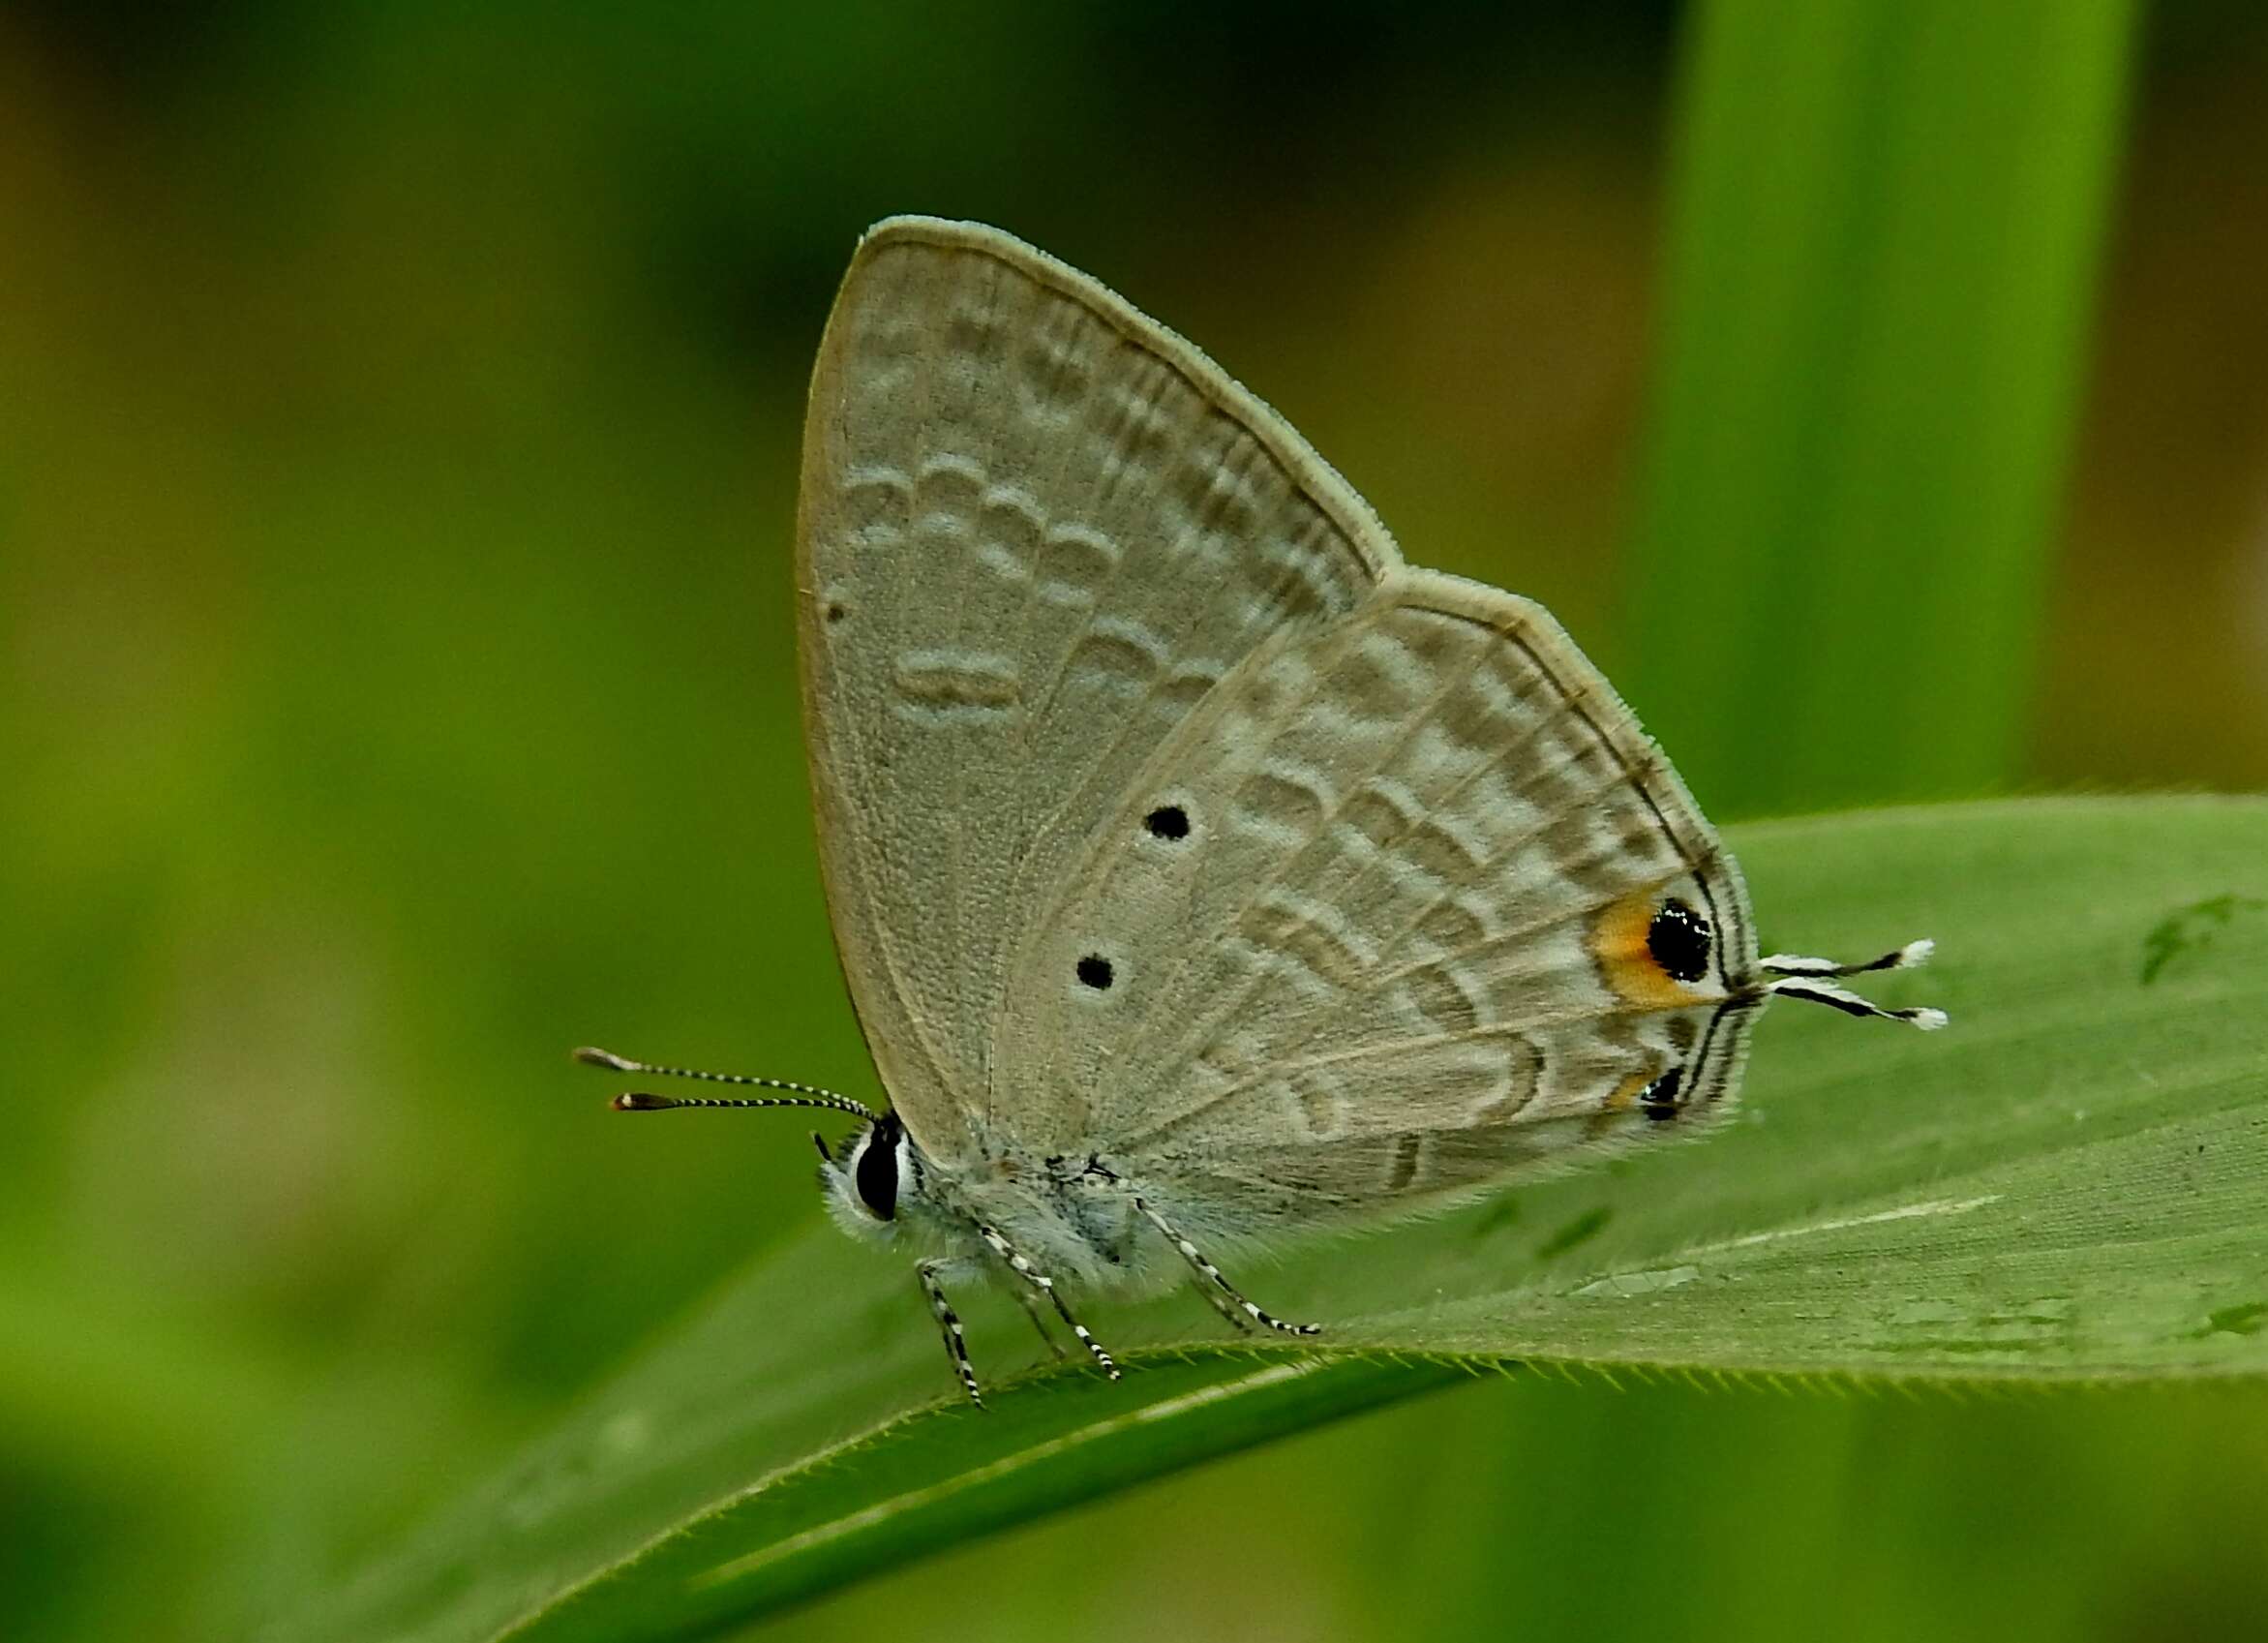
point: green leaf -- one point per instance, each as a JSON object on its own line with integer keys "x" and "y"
{"x": 2068, "y": 1183}
{"x": 1886, "y": 221}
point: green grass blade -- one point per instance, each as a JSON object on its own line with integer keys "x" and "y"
{"x": 1882, "y": 253}
{"x": 2067, "y": 1184}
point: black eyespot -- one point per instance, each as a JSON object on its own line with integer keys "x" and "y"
{"x": 1093, "y": 971}
{"x": 1168, "y": 821}
{"x": 1679, "y": 939}
{"x": 1659, "y": 1099}
{"x": 877, "y": 1176}
{"x": 837, "y": 612}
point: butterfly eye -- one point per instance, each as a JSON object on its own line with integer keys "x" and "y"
{"x": 876, "y": 1170}
{"x": 1168, "y": 821}
{"x": 1679, "y": 941}
{"x": 1095, "y": 971}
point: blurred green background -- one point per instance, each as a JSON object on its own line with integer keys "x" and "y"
{"x": 398, "y": 424}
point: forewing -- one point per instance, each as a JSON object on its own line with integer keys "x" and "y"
{"x": 1402, "y": 948}
{"x": 1035, "y": 529}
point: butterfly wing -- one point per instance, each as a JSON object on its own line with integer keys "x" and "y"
{"x": 1034, "y": 530}
{"x": 1402, "y": 948}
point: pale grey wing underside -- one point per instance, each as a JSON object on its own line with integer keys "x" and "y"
{"x": 1400, "y": 950}
{"x": 1036, "y": 529}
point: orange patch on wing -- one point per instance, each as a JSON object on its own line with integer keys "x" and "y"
{"x": 1616, "y": 1103}
{"x": 1618, "y": 941}
{"x": 1627, "y": 1090}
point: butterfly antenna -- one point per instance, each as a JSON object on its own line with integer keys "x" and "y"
{"x": 1813, "y": 979}
{"x": 639, "y": 1101}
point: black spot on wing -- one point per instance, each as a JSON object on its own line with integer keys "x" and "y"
{"x": 1659, "y": 1099}
{"x": 1679, "y": 941}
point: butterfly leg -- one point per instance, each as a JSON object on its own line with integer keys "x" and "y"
{"x": 1045, "y": 1285}
{"x": 948, "y": 1324}
{"x": 1220, "y": 1303}
{"x": 1023, "y": 1298}
{"x": 1206, "y": 1269}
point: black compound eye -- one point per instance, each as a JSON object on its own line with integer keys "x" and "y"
{"x": 1168, "y": 821}
{"x": 1678, "y": 939}
{"x": 877, "y": 1176}
{"x": 1094, "y": 970}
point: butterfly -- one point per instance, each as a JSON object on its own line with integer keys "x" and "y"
{"x": 1203, "y": 873}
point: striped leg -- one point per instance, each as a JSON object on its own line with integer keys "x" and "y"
{"x": 1219, "y": 1302}
{"x": 1045, "y": 1285}
{"x": 950, "y": 1325}
{"x": 1206, "y": 1269}
{"x": 1023, "y": 1298}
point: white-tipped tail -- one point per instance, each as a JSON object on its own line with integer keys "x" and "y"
{"x": 1799, "y": 964}
{"x": 1813, "y": 988}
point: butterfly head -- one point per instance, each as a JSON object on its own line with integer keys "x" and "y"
{"x": 868, "y": 1180}
{"x": 870, "y": 1176}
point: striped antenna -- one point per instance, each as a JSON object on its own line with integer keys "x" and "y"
{"x": 638, "y": 1101}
